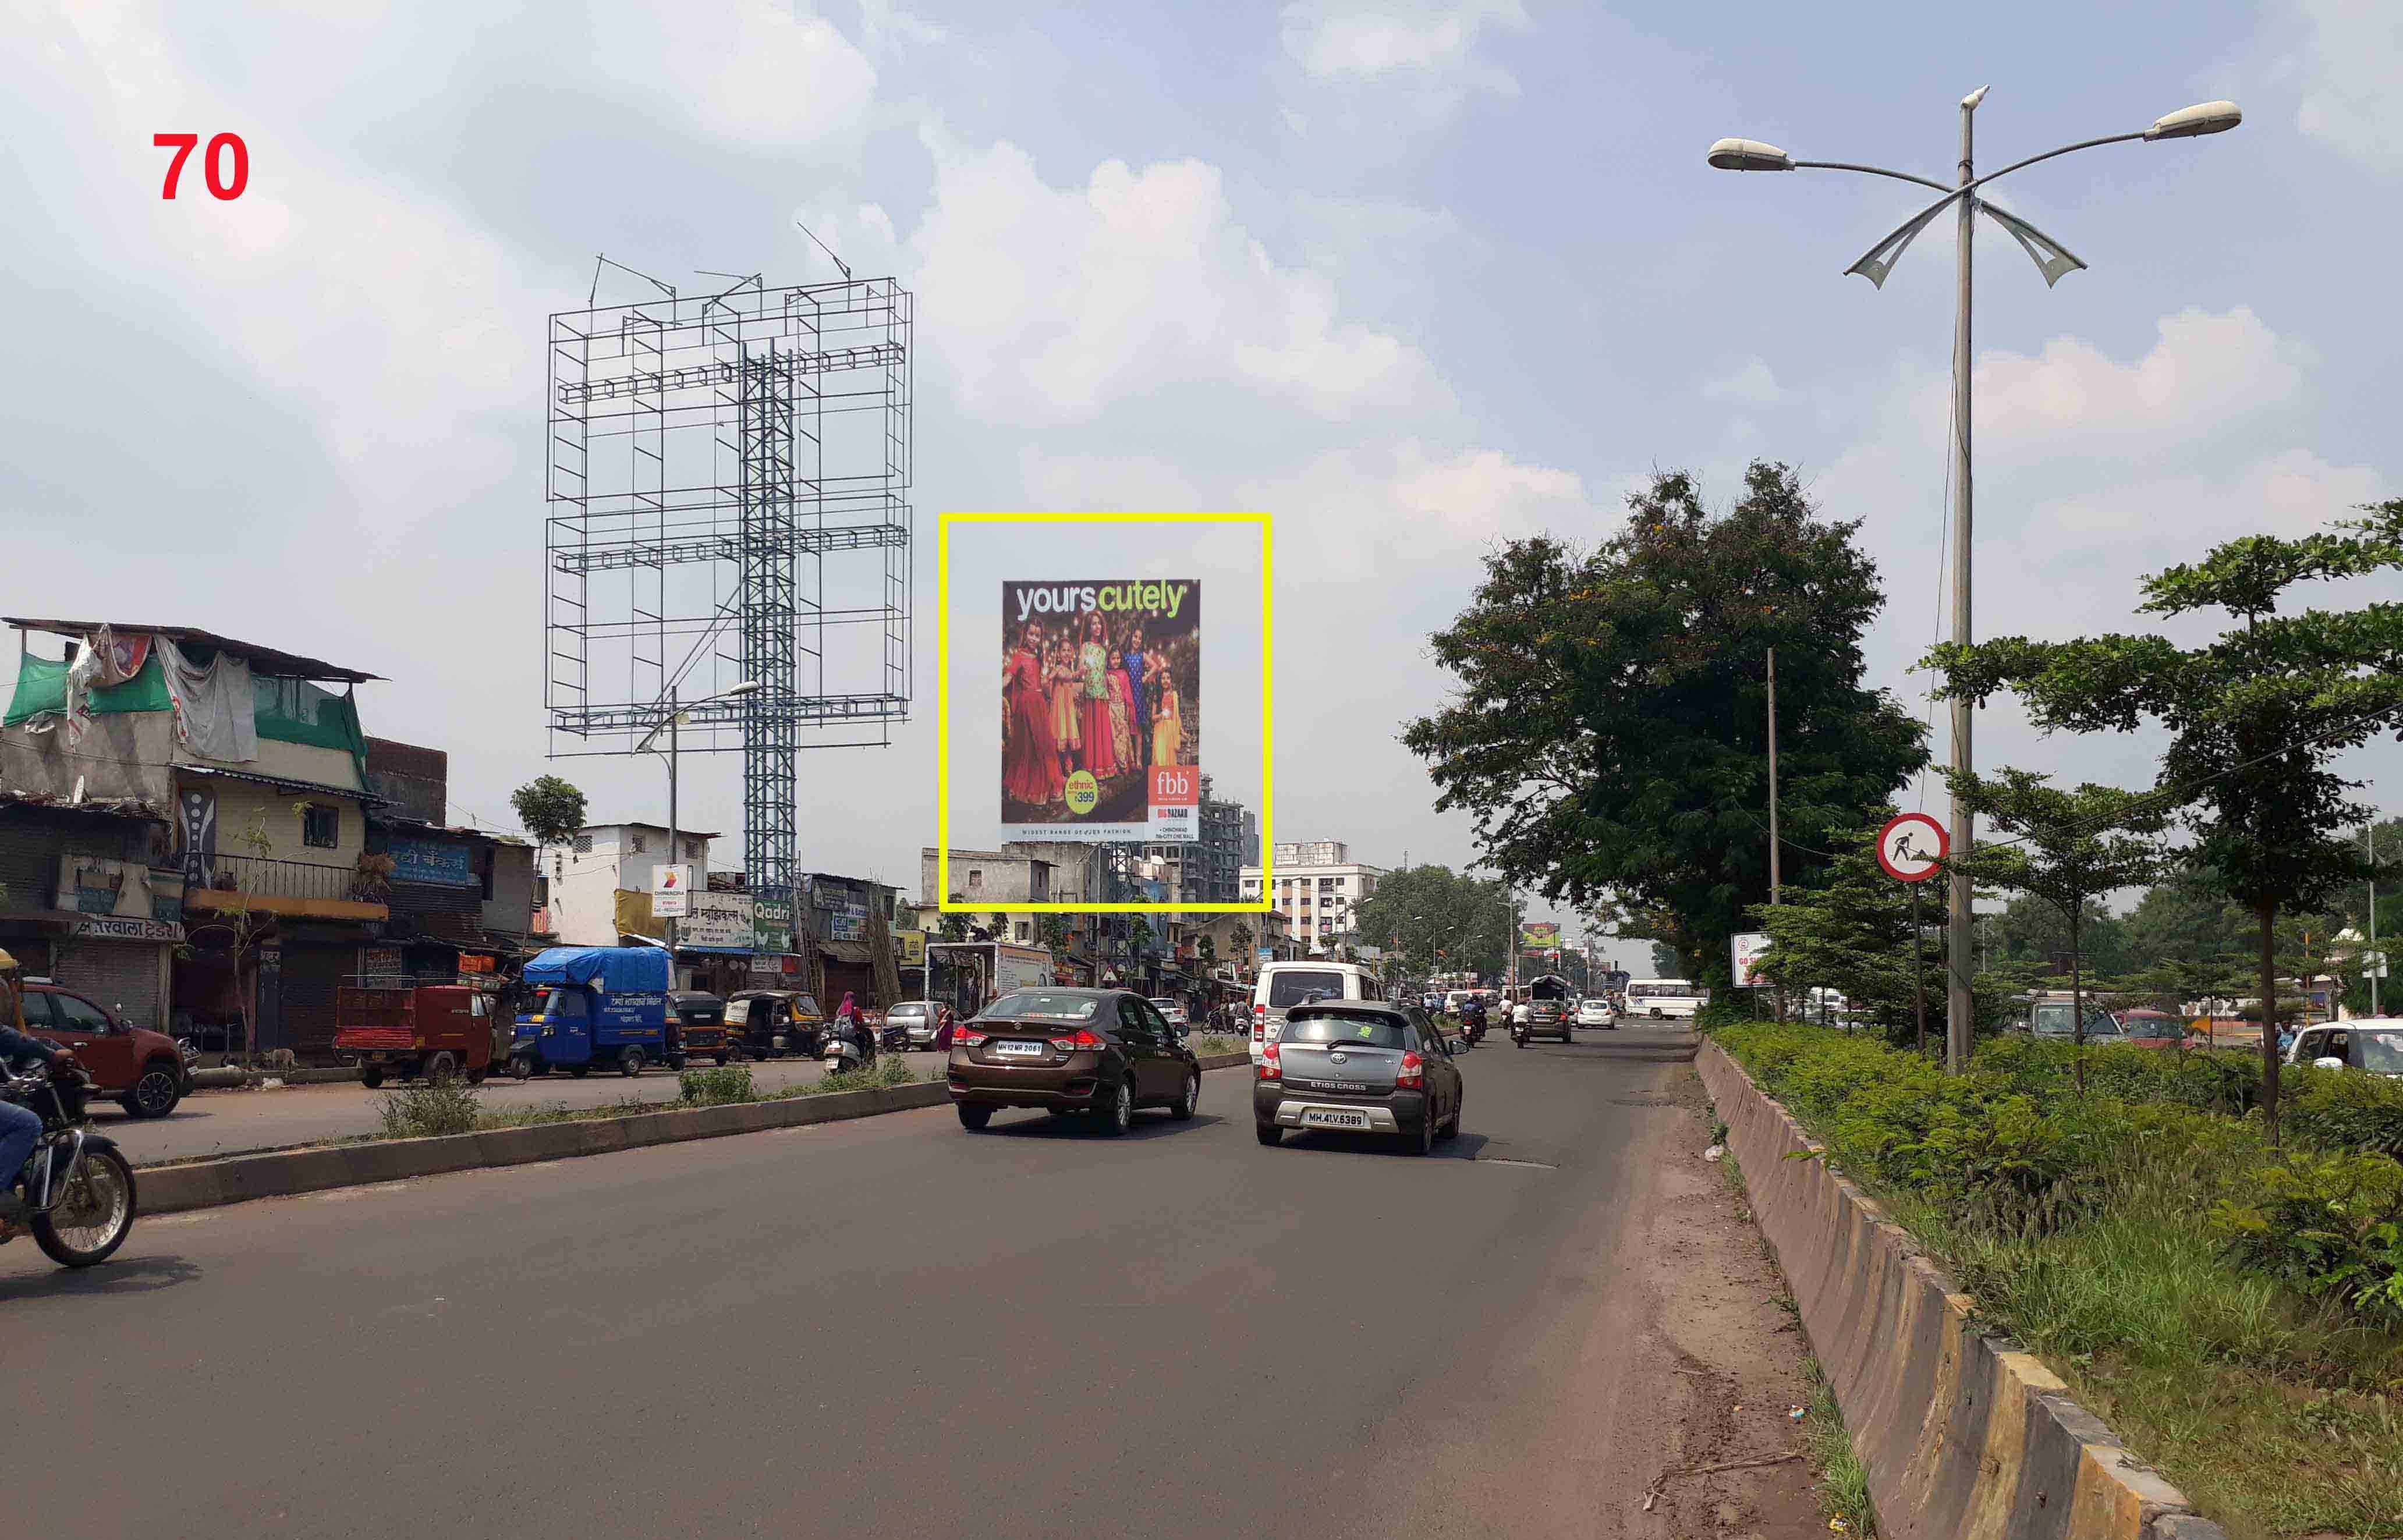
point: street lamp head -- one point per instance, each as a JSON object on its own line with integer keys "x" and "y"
{"x": 1748, "y": 155}
{"x": 1969, "y": 103}
{"x": 748, "y": 687}
{"x": 2195, "y": 122}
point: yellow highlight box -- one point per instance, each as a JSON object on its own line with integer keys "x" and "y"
{"x": 943, "y": 522}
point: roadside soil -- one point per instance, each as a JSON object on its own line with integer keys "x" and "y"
{"x": 1678, "y": 1358}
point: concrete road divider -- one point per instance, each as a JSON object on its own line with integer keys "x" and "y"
{"x": 282, "y": 1174}
{"x": 1960, "y": 1436}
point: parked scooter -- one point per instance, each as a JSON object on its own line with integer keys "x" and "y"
{"x": 841, "y": 1052}
{"x": 78, "y": 1192}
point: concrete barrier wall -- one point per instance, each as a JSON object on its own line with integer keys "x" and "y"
{"x": 1963, "y": 1438}
{"x": 281, "y": 1173}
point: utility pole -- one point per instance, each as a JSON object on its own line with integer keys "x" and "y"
{"x": 2369, "y": 848}
{"x": 1775, "y": 887}
{"x": 1772, "y": 776}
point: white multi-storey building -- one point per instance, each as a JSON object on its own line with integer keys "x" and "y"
{"x": 1317, "y": 886}
{"x": 585, "y": 875}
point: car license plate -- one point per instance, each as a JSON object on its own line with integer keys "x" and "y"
{"x": 1019, "y": 1051}
{"x": 1333, "y": 1118}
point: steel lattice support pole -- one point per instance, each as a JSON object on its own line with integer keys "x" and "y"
{"x": 768, "y": 618}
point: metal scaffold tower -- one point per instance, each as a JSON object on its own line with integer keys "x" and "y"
{"x": 728, "y": 478}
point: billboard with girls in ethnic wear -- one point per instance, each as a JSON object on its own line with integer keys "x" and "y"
{"x": 1100, "y": 696}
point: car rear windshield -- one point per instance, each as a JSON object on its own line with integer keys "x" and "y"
{"x": 1373, "y": 1031}
{"x": 907, "y": 1011}
{"x": 2052, "y": 1015}
{"x": 1042, "y": 1006}
{"x": 2379, "y": 1052}
{"x": 1288, "y": 989}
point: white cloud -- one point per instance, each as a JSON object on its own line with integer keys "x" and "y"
{"x": 1423, "y": 51}
{"x": 1137, "y": 291}
{"x": 1749, "y": 382}
{"x": 2343, "y": 72}
{"x": 758, "y": 69}
{"x": 2204, "y": 374}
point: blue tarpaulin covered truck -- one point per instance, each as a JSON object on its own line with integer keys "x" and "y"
{"x": 595, "y": 1006}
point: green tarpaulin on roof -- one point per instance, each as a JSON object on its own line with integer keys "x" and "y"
{"x": 42, "y": 691}
{"x": 290, "y": 711}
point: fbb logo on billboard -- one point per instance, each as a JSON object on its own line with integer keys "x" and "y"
{"x": 1175, "y": 803}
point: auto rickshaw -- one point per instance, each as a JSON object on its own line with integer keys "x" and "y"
{"x": 774, "y": 1023}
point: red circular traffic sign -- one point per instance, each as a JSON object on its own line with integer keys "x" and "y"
{"x": 1911, "y": 847}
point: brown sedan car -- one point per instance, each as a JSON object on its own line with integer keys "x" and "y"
{"x": 1070, "y": 1051}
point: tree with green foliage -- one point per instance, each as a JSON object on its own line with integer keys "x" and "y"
{"x": 2187, "y": 917}
{"x": 2065, "y": 847}
{"x": 1431, "y": 909}
{"x": 550, "y": 809}
{"x": 1852, "y": 932}
{"x": 2027, "y": 930}
{"x": 2255, "y": 716}
{"x": 1609, "y": 734}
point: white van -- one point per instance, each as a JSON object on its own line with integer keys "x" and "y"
{"x": 1665, "y": 997}
{"x": 1282, "y": 986}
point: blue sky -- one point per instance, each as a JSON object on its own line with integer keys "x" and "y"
{"x": 1415, "y": 277}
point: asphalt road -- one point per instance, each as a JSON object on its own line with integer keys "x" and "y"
{"x": 892, "y": 1326}
{"x": 230, "y": 1122}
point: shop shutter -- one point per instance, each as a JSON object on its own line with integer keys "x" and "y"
{"x": 311, "y": 975}
{"x": 123, "y": 976}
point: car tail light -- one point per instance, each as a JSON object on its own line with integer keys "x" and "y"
{"x": 1085, "y": 1041}
{"x": 1271, "y": 1064}
{"x": 1412, "y": 1073}
{"x": 964, "y": 1038}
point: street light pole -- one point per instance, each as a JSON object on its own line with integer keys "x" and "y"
{"x": 669, "y": 723}
{"x": 1959, "y": 974}
{"x": 2053, "y": 260}
{"x": 669, "y": 930}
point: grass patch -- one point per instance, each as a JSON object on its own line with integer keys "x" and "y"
{"x": 2116, "y": 1236}
{"x": 1215, "y": 1044}
{"x": 419, "y": 1111}
{"x": 437, "y": 1107}
{"x": 715, "y": 1088}
{"x": 1843, "y": 1485}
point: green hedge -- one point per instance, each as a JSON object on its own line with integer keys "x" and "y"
{"x": 2013, "y": 1142}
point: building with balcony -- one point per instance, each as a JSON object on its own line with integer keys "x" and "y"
{"x": 236, "y": 774}
{"x": 1318, "y": 885}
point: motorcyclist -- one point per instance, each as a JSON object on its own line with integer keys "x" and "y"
{"x": 851, "y": 1025}
{"x": 21, "y": 1127}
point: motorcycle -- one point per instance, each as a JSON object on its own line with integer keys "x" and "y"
{"x": 1472, "y": 1023}
{"x": 77, "y": 1193}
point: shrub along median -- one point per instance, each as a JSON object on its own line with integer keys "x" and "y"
{"x": 434, "y": 1130}
{"x": 2235, "y": 1312}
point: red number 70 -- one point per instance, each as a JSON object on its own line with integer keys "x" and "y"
{"x": 224, "y": 189}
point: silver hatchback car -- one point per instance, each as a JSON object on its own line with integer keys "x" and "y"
{"x": 1359, "y": 1066}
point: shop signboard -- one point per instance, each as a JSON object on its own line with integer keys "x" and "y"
{"x": 913, "y": 947}
{"x": 847, "y": 922}
{"x": 672, "y": 891}
{"x": 717, "y": 920}
{"x": 771, "y": 923}
{"x": 110, "y": 927}
{"x": 433, "y": 863}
